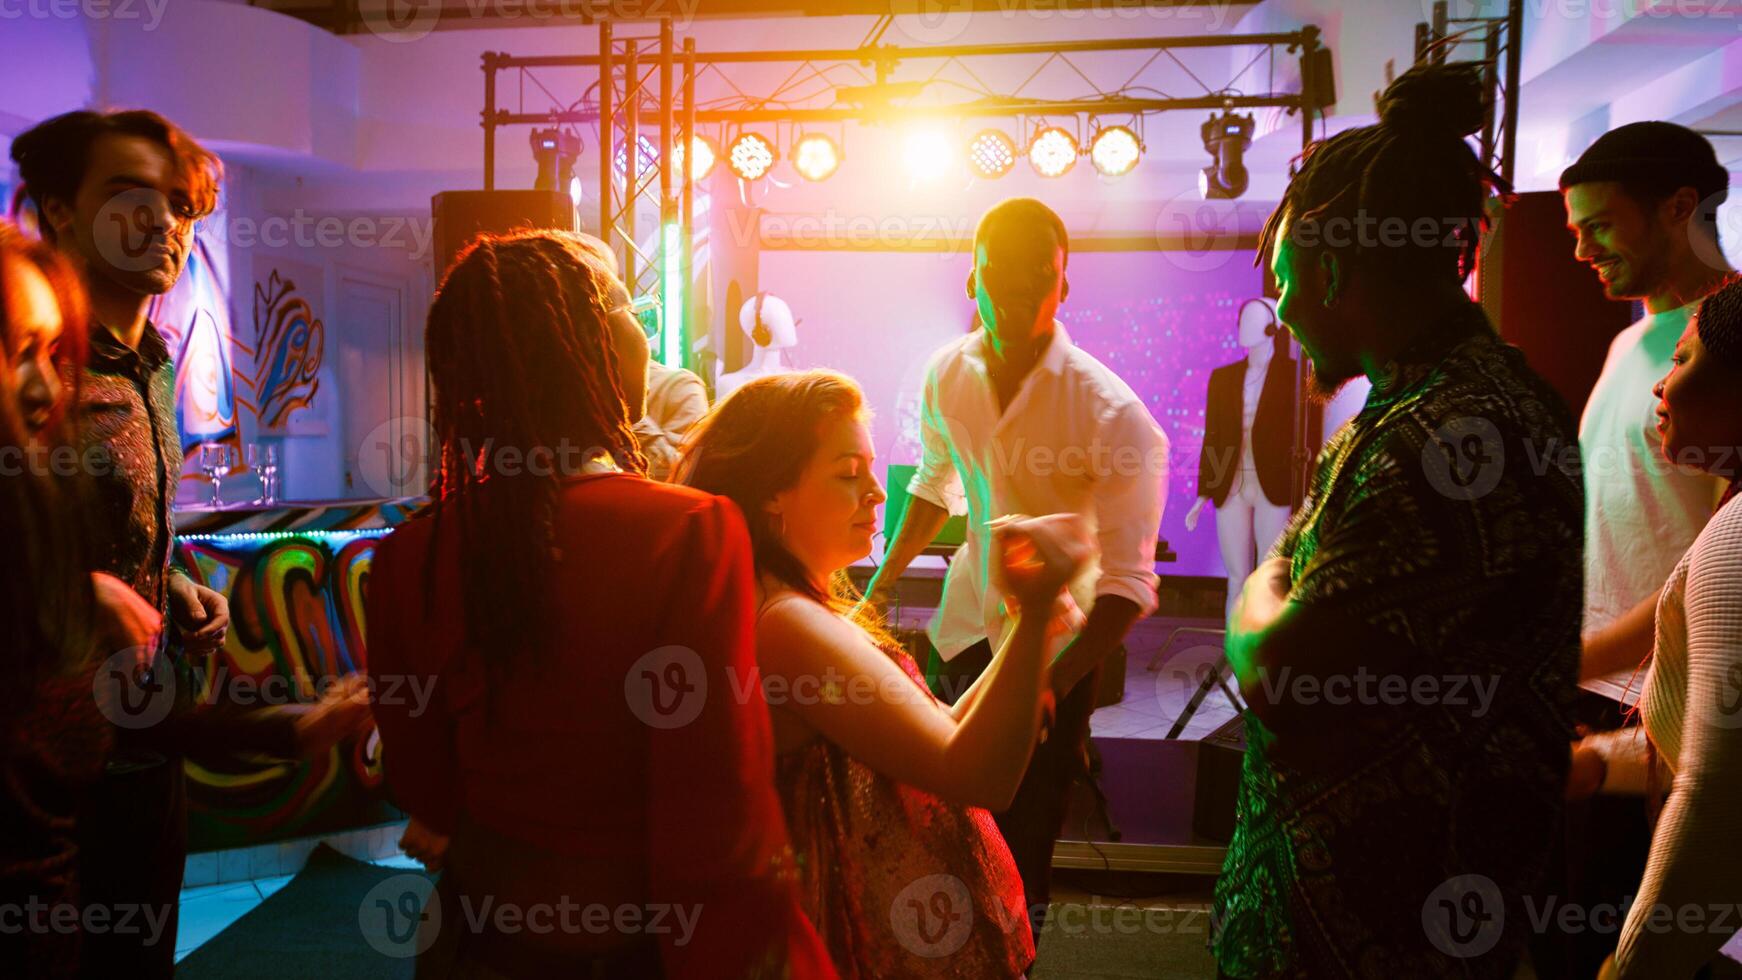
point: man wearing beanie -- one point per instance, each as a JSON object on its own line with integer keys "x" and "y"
{"x": 1642, "y": 201}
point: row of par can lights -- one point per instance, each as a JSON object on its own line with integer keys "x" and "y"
{"x": 991, "y": 153}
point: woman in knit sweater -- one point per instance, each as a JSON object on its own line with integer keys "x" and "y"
{"x": 1691, "y": 701}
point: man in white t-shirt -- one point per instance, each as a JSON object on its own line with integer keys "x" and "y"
{"x": 1642, "y": 201}
{"x": 1016, "y": 419}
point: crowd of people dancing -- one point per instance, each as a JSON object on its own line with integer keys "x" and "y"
{"x": 665, "y": 692}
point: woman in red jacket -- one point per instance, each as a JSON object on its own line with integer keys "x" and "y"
{"x": 590, "y": 734}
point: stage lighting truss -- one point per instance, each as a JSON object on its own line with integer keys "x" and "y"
{"x": 1052, "y": 152}
{"x": 1115, "y": 150}
{"x": 991, "y": 153}
{"x": 751, "y": 156}
{"x": 815, "y": 156}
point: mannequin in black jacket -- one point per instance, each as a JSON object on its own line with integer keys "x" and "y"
{"x": 1248, "y": 427}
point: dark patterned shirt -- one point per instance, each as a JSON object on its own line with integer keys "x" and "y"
{"x": 127, "y": 421}
{"x": 1446, "y": 515}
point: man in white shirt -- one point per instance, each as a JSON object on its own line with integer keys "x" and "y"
{"x": 676, "y": 401}
{"x": 1642, "y": 201}
{"x": 1015, "y": 419}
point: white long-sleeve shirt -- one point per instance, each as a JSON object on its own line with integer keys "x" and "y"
{"x": 1074, "y": 439}
{"x": 1692, "y": 707}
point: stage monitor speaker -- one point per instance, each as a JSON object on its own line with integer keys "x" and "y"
{"x": 461, "y": 216}
{"x": 1543, "y": 300}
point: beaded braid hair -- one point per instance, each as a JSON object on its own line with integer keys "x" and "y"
{"x": 521, "y": 359}
{"x": 1413, "y": 166}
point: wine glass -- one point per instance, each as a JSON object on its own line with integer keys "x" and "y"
{"x": 215, "y": 462}
{"x": 263, "y": 462}
{"x": 268, "y": 474}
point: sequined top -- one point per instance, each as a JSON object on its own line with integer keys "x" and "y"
{"x": 126, "y": 428}
{"x": 1447, "y": 518}
{"x": 898, "y": 882}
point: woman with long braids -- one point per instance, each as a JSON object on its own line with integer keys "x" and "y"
{"x": 549, "y": 580}
{"x": 1409, "y": 650}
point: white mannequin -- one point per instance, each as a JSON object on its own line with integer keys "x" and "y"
{"x": 778, "y": 331}
{"x": 1247, "y": 523}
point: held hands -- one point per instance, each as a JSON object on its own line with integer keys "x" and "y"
{"x": 1034, "y": 558}
{"x": 1586, "y": 776}
{"x": 342, "y": 711}
{"x": 424, "y": 845}
{"x": 202, "y": 614}
{"x": 124, "y": 620}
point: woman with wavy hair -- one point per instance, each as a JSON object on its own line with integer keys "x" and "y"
{"x": 886, "y": 789}
{"x": 57, "y": 619}
{"x": 579, "y": 630}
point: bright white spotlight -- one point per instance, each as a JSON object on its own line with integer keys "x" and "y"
{"x": 1053, "y": 152}
{"x": 706, "y": 155}
{"x": 816, "y": 156}
{"x": 1114, "y": 151}
{"x": 991, "y": 153}
{"x": 646, "y": 161}
{"x": 927, "y": 153}
{"x": 750, "y": 156}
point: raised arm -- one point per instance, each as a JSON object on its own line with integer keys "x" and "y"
{"x": 852, "y": 693}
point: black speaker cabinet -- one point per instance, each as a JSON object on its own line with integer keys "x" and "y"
{"x": 461, "y": 216}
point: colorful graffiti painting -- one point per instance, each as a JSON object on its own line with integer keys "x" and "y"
{"x": 194, "y": 319}
{"x": 289, "y": 344}
{"x": 296, "y": 606}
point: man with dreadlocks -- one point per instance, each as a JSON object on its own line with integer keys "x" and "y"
{"x": 550, "y": 580}
{"x": 1409, "y": 648}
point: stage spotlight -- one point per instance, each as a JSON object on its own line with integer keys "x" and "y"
{"x": 750, "y": 156}
{"x": 927, "y": 153}
{"x": 1053, "y": 152}
{"x": 1226, "y": 137}
{"x": 646, "y": 161}
{"x": 706, "y": 155}
{"x": 555, "y": 151}
{"x": 815, "y": 156}
{"x": 991, "y": 153}
{"x": 1114, "y": 151}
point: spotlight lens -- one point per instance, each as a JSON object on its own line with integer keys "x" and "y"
{"x": 991, "y": 153}
{"x": 927, "y": 153}
{"x": 816, "y": 157}
{"x": 1115, "y": 151}
{"x": 750, "y": 156}
{"x": 647, "y": 160}
{"x": 1053, "y": 152}
{"x": 705, "y": 157}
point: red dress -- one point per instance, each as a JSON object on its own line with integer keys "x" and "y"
{"x": 627, "y": 754}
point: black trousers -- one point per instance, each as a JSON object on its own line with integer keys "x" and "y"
{"x": 132, "y": 848}
{"x": 1599, "y": 860}
{"x": 1032, "y": 823}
